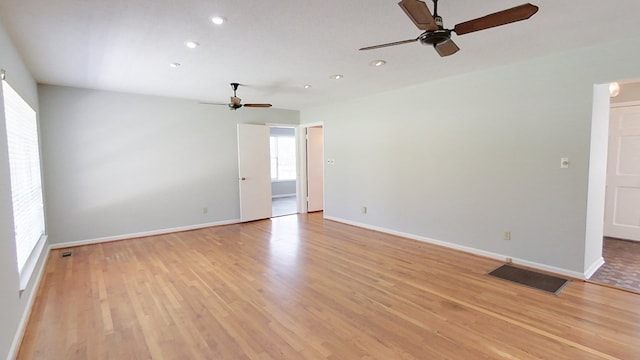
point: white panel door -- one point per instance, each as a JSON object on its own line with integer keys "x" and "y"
{"x": 254, "y": 172}
{"x": 622, "y": 214}
{"x": 315, "y": 169}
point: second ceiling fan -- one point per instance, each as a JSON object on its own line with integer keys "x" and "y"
{"x": 435, "y": 34}
{"x": 235, "y": 103}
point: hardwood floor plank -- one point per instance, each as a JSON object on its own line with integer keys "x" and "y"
{"x": 300, "y": 287}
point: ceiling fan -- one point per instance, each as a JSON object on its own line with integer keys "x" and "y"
{"x": 235, "y": 103}
{"x": 435, "y": 34}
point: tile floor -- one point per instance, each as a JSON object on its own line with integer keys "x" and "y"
{"x": 622, "y": 264}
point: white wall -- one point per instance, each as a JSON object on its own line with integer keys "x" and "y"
{"x": 117, "y": 164}
{"x": 283, "y": 188}
{"x": 13, "y": 307}
{"x": 597, "y": 179}
{"x": 463, "y": 159}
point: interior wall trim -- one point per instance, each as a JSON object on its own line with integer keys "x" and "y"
{"x": 593, "y": 268}
{"x": 625, "y": 104}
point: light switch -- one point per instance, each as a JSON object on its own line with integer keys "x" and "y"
{"x": 564, "y": 163}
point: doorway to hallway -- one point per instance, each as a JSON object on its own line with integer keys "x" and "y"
{"x": 620, "y": 244}
{"x": 283, "y": 171}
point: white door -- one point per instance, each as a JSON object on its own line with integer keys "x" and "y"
{"x": 254, "y": 172}
{"x": 315, "y": 169}
{"x": 622, "y": 209}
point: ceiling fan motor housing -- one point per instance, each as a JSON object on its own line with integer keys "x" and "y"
{"x": 435, "y": 37}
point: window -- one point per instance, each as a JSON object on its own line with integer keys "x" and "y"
{"x": 26, "y": 185}
{"x": 283, "y": 158}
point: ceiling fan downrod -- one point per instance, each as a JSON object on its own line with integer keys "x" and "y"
{"x": 234, "y": 86}
{"x": 437, "y": 17}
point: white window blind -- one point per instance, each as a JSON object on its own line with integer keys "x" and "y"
{"x": 24, "y": 164}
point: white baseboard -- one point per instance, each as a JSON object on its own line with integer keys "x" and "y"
{"x": 593, "y": 268}
{"x": 22, "y": 325}
{"x": 282, "y": 195}
{"x": 140, "y": 234}
{"x": 467, "y": 249}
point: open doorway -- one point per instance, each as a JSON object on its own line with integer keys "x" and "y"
{"x": 283, "y": 171}
{"x": 621, "y": 242}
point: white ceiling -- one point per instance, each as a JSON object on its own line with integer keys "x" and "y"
{"x": 275, "y": 47}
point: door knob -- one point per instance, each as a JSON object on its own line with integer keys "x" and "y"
{"x": 243, "y": 178}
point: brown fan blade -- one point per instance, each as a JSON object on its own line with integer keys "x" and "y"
{"x": 419, "y": 13}
{"x": 212, "y": 103}
{"x": 499, "y": 18}
{"x": 447, "y": 48}
{"x": 258, "y": 105}
{"x": 388, "y": 44}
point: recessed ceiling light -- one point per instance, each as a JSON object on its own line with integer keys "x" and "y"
{"x": 377, "y": 63}
{"x": 307, "y": 86}
{"x": 218, "y": 20}
{"x": 191, "y": 44}
{"x": 337, "y": 77}
{"x": 174, "y": 64}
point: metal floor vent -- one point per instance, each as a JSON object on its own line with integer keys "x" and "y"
{"x": 67, "y": 254}
{"x": 534, "y": 279}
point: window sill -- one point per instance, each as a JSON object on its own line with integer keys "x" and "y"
{"x": 29, "y": 267}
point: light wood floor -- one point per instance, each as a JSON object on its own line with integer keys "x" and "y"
{"x": 298, "y": 287}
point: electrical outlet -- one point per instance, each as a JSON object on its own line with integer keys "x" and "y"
{"x": 364, "y": 209}
{"x": 507, "y": 235}
{"x": 205, "y": 210}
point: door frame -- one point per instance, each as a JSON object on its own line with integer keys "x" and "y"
{"x": 302, "y": 161}
{"x": 597, "y": 177}
{"x": 301, "y": 164}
